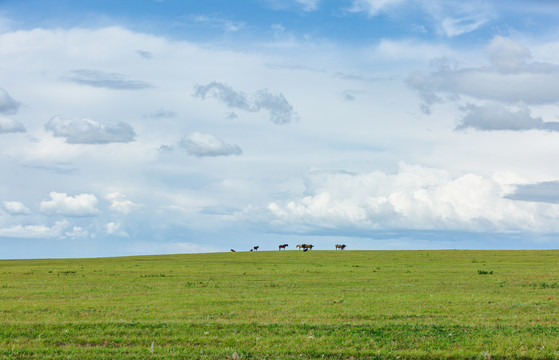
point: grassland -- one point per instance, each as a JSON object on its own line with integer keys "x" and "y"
{"x": 284, "y": 305}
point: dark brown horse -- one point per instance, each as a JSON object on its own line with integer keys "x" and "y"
{"x": 233, "y": 250}
{"x": 341, "y": 247}
{"x": 283, "y": 246}
{"x": 255, "y": 248}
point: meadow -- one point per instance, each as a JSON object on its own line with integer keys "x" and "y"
{"x": 284, "y": 305}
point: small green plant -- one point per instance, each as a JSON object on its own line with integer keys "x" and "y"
{"x": 67, "y": 272}
{"x": 153, "y": 275}
{"x": 485, "y": 272}
{"x": 544, "y": 285}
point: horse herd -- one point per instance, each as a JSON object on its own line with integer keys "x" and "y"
{"x": 304, "y": 247}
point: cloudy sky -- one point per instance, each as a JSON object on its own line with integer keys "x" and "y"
{"x": 178, "y": 126}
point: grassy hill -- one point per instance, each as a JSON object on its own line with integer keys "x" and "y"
{"x": 284, "y": 305}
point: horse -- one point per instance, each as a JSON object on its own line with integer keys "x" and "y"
{"x": 341, "y": 247}
{"x": 283, "y": 246}
{"x": 299, "y": 246}
{"x": 256, "y": 248}
{"x": 307, "y": 247}
{"x": 233, "y": 250}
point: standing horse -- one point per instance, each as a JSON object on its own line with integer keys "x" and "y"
{"x": 341, "y": 247}
{"x": 256, "y": 248}
{"x": 283, "y": 246}
{"x": 306, "y": 247}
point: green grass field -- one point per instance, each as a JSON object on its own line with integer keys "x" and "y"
{"x": 284, "y": 305}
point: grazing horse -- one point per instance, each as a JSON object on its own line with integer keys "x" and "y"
{"x": 256, "y": 248}
{"x": 233, "y": 250}
{"x": 341, "y": 247}
{"x": 283, "y": 246}
{"x": 299, "y": 246}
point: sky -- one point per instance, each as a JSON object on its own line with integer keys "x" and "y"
{"x": 166, "y": 126}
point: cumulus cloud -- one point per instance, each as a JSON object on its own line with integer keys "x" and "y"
{"x": 509, "y": 78}
{"x": 16, "y": 208}
{"x": 119, "y": 203}
{"x": 76, "y": 232}
{"x": 7, "y": 104}
{"x": 281, "y": 112}
{"x": 62, "y": 204}
{"x": 201, "y": 145}
{"x": 8, "y": 125}
{"x": 35, "y": 231}
{"x": 113, "y": 228}
{"x": 506, "y": 55}
{"x": 101, "y": 79}
{"x": 493, "y": 117}
{"x": 87, "y": 131}
{"x": 415, "y": 198}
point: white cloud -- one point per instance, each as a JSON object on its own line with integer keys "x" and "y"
{"x": 374, "y": 7}
{"x": 494, "y": 116}
{"x": 7, "y": 104}
{"x": 415, "y": 198}
{"x": 201, "y": 145}
{"x": 76, "y": 232}
{"x": 281, "y": 112}
{"x": 454, "y": 27}
{"x": 225, "y": 24}
{"x": 507, "y": 55}
{"x": 62, "y": 204}
{"x": 451, "y": 18}
{"x": 35, "y": 231}
{"x": 510, "y": 79}
{"x": 113, "y": 228}
{"x": 16, "y": 208}
{"x": 454, "y": 17}
{"x": 8, "y": 125}
{"x": 87, "y": 131}
{"x": 119, "y": 203}
{"x": 101, "y": 79}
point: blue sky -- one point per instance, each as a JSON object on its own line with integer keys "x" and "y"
{"x": 151, "y": 127}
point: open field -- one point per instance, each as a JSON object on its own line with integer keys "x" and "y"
{"x": 283, "y": 305}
